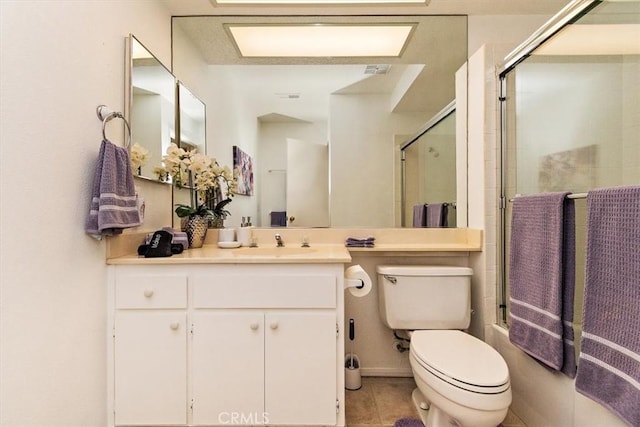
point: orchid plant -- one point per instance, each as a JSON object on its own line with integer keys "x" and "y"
{"x": 138, "y": 156}
{"x": 213, "y": 185}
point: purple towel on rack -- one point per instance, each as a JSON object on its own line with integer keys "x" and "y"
{"x": 278, "y": 218}
{"x": 114, "y": 204}
{"x": 436, "y": 215}
{"x": 539, "y": 265}
{"x": 420, "y": 215}
{"x": 609, "y": 365}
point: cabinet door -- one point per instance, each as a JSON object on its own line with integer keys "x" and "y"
{"x": 150, "y": 353}
{"x": 300, "y": 368}
{"x": 228, "y": 368}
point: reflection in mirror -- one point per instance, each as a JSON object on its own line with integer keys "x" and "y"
{"x": 429, "y": 169}
{"x": 191, "y": 124}
{"x": 354, "y": 107}
{"x": 191, "y": 128}
{"x": 151, "y": 105}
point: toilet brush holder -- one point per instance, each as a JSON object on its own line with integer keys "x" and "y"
{"x": 352, "y": 377}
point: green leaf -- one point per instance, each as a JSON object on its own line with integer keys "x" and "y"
{"x": 184, "y": 210}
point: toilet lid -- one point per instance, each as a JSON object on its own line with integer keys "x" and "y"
{"x": 461, "y": 359}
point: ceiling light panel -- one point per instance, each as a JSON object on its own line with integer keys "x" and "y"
{"x": 368, "y": 40}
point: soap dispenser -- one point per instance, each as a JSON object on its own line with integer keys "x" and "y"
{"x": 245, "y": 232}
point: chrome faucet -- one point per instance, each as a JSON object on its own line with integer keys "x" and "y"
{"x": 279, "y": 240}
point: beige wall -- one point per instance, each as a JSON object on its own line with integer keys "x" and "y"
{"x": 59, "y": 60}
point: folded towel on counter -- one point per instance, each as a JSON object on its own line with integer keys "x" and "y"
{"x": 609, "y": 364}
{"x": 540, "y": 299}
{"x": 278, "y": 218}
{"x": 366, "y": 242}
{"x": 114, "y": 204}
{"x": 436, "y": 215}
{"x": 420, "y": 215}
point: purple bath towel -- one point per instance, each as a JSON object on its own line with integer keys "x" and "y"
{"x": 419, "y": 215}
{"x": 114, "y": 204}
{"x": 541, "y": 279}
{"x": 436, "y": 215}
{"x": 609, "y": 365}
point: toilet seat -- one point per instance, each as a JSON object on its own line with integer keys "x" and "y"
{"x": 460, "y": 360}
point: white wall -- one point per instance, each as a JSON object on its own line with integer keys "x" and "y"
{"x": 361, "y": 134}
{"x": 508, "y": 30}
{"x": 59, "y": 60}
{"x": 230, "y": 123}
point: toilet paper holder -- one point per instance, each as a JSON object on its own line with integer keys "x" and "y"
{"x": 354, "y": 283}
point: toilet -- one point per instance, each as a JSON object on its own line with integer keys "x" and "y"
{"x": 460, "y": 379}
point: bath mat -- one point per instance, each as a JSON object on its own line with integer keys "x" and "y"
{"x": 408, "y": 422}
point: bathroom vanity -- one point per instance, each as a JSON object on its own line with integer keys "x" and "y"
{"x": 217, "y": 337}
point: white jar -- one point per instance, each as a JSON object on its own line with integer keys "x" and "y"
{"x": 227, "y": 235}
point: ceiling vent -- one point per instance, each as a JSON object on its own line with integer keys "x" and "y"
{"x": 377, "y": 69}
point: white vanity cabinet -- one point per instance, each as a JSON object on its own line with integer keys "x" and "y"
{"x": 150, "y": 349}
{"x": 250, "y": 344}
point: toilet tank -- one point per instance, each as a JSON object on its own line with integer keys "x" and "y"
{"x": 424, "y": 297}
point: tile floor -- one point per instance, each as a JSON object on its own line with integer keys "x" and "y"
{"x": 383, "y": 400}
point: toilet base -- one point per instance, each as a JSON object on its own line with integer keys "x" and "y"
{"x": 430, "y": 415}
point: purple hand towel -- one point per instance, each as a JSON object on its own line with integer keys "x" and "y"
{"x": 420, "y": 215}
{"x": 278, "y": 218}
{"x": 365, "y": 242}
{"x": 436, "y": 215}
{"x": 609, "y": 365}
{"x": 541, "y": 279}
{"x": 114, "y": 204}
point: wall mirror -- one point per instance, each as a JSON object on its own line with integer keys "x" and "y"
{"x": 351, "y": 111}
{"x": 150, "y": 104}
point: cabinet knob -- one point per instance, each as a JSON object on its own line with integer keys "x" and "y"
{"x": 174, "y": 326}
{"x": 254, "y": 326}
{"x": 274, "y": 325}
{"x": 148, "y": 293}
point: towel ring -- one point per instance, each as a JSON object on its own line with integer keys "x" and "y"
{"x": 106, "y": 115}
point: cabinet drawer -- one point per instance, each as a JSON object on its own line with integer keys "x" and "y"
{"x": 149, "y": 291}
{"x": 264, "y": 291}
